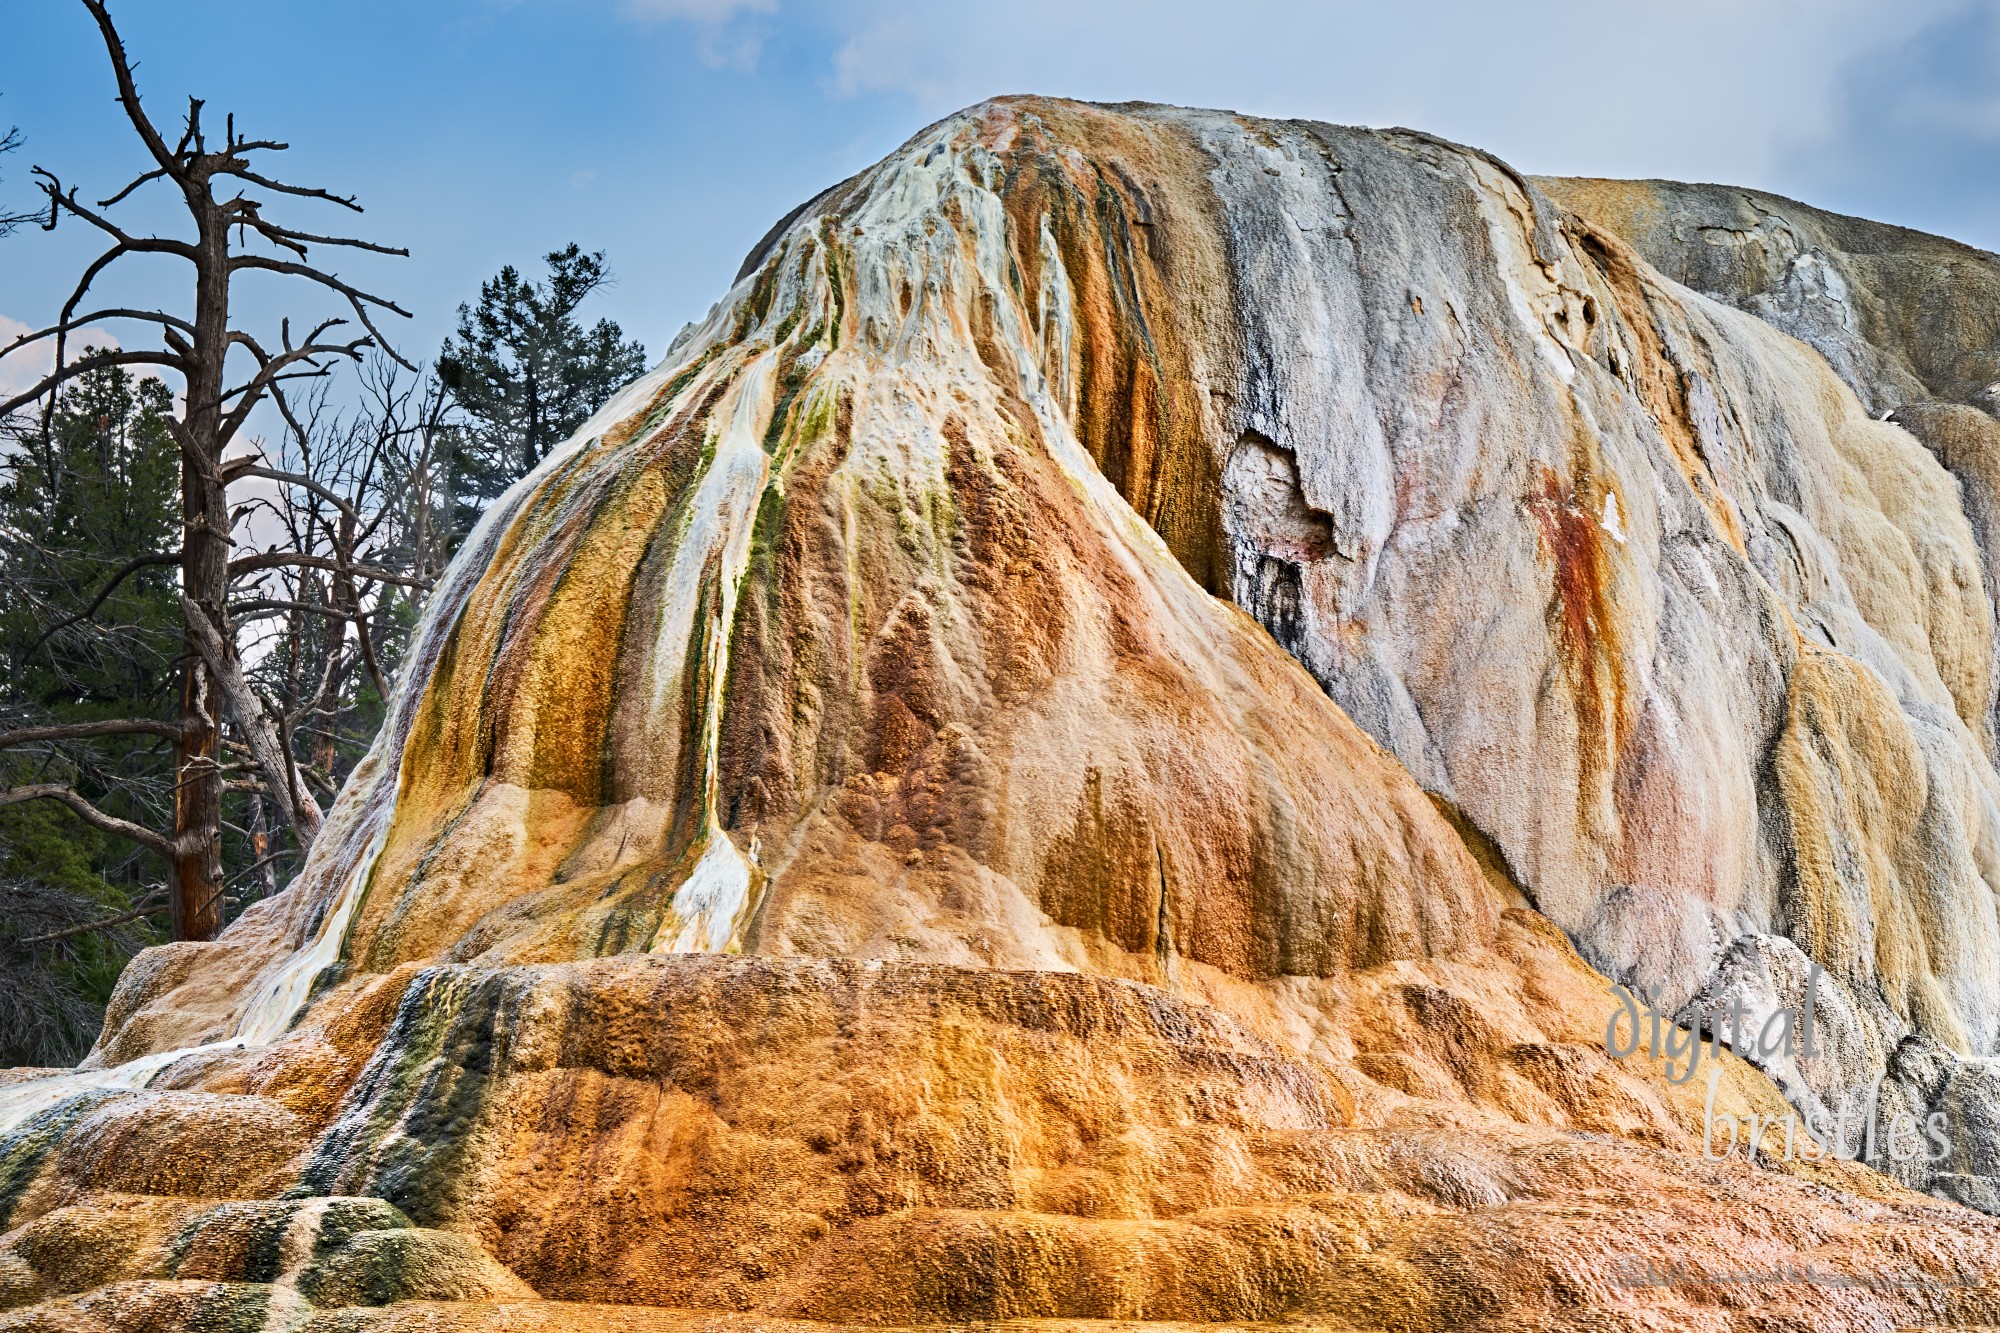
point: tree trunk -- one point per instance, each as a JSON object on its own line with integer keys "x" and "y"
{"x": 260, "y": 847}
{"x": 196, "y": 902}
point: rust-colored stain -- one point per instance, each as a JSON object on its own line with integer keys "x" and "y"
{"x": 1656, "y": 377}
{"x": 1138, "y": 319}
{"x": 1586, "y": 618}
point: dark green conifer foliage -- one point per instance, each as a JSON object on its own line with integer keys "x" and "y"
{"x": 525, "y": 373}
{"x": 79, "y": 502}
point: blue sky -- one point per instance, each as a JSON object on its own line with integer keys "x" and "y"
{"x": 671, "y": 133}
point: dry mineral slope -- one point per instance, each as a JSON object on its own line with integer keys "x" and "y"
{"x": 1083, "y": 749}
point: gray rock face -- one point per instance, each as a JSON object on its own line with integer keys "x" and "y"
{"x": 1901, "y": 316}
{"x": 1911, "y": 324}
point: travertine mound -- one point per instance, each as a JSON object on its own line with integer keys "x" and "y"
{"x": 1173, "y": 645}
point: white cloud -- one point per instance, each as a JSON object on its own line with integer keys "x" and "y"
{"x": 886, "y": 57}
{"x": 16, "y": 372}
{"x": 579, "y": 179}
{"x": 727, "y": 34}
{"x": 24, "y": 368}
{"x": 1706, "y": 89}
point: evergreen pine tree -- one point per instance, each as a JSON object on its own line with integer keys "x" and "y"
{"x": 79, "y": 501}
{"x": 525, "y": 373}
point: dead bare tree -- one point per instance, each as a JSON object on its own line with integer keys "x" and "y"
{"x": 203, "y": 346}
{"x": 356, "y": 510}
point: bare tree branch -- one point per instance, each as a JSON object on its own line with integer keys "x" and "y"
{"x": 250, "y": 564}
{"x": 248, "y": 212}
{"x": 150, "y": 908}
{"x": 90, "y": 814}
{"x": 344, "y": 200}
{"x": 252, "y": 720}
{"x": 271, "y": 369}
{"x": 130, "y": 567}
{"x": 63, "y": 374}
{"x": 82, "y": 288}
{"x": 157, "y": 173}
{"x": 367, "y": 646}
{"x": 77, "y": 731}
{"x": 358, "y": 299}
{"x": 294, "y": 479}
{"x": 9, "y": 141}
{"x": 69, "y": 325}
{"x": 265, "y": 608}
{"x": 62, "y": 199}
{"x": 128, "y": 92}
{"x": 273, "y": 231}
